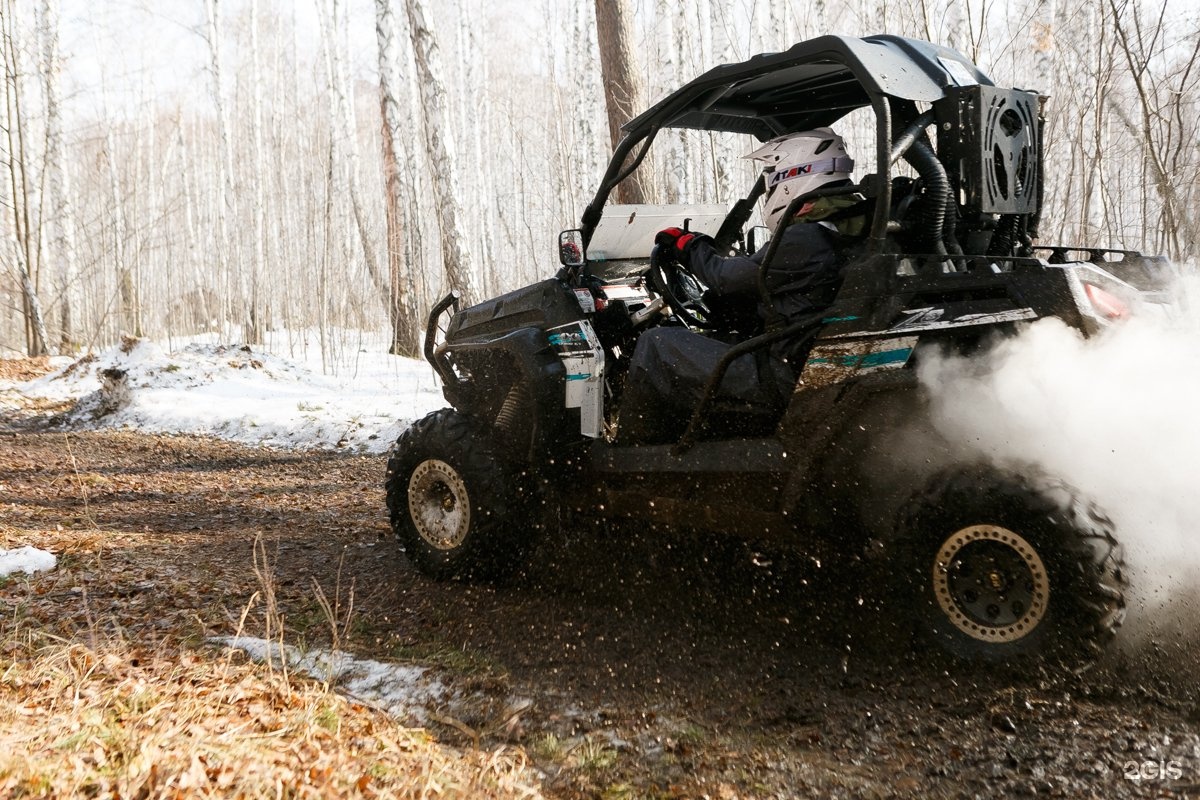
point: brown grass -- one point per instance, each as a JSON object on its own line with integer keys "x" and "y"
{"x": 99, "y": 701}
{"x": 114, "y": 720}
{"x": 23, "y": 369}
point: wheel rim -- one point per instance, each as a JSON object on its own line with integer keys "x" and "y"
{"x": 991, "y": 583}
{"x": 438, "y": 504}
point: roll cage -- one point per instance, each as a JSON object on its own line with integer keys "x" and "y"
{"x": 812, "y": 84}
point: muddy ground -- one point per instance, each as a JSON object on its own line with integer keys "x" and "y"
{"x": 627, "y": 662}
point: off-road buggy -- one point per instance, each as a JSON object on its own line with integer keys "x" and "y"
{"x": 994, "y": 564}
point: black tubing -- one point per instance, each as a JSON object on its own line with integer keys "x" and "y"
{"x": 939, "y": 210}
{"x": 1004, "y": 237}
{"x": 940, "y": 216}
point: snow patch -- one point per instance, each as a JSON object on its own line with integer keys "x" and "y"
{"x": 402, "y": 691}
{"x": 26, "y": 559}
{"x": 246, "y": 394}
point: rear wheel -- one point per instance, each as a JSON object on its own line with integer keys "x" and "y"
{"x": 1006, "y": 568}
{"x": 454, "y": 501}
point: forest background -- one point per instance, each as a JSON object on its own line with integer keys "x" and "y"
{"x": 233, "y": 167}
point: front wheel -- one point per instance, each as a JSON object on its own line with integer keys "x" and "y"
{"x": 1011, "y": 569}
{"x": 454, "y": 501}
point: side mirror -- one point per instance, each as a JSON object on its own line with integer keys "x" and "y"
{"x": 570, "y": 248}
{"x": 756, "y": 237}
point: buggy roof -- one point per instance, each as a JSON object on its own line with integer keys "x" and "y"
{"x": 809, "y": 85}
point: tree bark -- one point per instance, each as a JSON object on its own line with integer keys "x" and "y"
{"x": 345, "y": 149}
{"x": 255, "y": 325}
{"x": 16, "y": 194}
{"x": 439, "y": 144}
{"x": 406, "y": 337}
{"x": 622, "y": 86}
{"x": 227, "y": 203}
{"x": 59, "y": 211}
{"x": 33, "y": 305}
{"x": 1177, "y": 223}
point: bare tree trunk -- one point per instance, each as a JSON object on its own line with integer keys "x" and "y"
{"x": 17, "y": 190}
{"x": 476, "y": 101}
{"x": 677, "y": 160}
{"x": 583, "y": 75}
{"x": 256, "y": 324}
{"x": 345, "y": 146}
{"x": 440, "y": 146}
{"x": 1139, "y": 49}
{"x": 59, "y": 211}
{"x": 33, "y": 305}
{"x": 415, "y": 177}
{"x": 129, "y": 314}
{"x": 1045, "y": 26}
{"x": 406, "y": 337}
{"x": 723, "y": 157}
{"x": 226, "y": 205}
{"x": 622, "y": 86}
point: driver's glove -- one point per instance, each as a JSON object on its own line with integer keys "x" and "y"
{"x": 674, "y": 242}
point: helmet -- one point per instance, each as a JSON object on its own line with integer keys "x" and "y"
{"x": 797, "y": 163}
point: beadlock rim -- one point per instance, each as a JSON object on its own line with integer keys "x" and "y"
{"x": 991, "y": 583}
{"x": 438, "y": 504}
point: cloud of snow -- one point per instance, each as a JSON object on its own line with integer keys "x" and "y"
{"x": 1115, "y": 415}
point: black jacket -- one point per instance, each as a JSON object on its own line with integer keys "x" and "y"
{"x": 803, "y": 278}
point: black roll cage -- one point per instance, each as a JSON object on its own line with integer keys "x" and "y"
{"x": 878, "y": 186}
{"x": 811, "y": 84}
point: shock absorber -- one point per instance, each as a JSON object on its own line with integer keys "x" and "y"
{"x": 510, "y": 411}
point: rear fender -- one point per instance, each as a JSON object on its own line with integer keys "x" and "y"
{"x": 857, "y": 450}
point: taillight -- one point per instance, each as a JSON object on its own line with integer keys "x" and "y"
{"x": 1107, "y": 304}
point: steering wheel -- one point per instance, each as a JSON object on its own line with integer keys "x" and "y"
{"x": 681, "y": 290}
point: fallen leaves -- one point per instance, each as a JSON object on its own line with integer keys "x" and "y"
{"x": 173, "y": 722}
{"x": 105, "y": 688}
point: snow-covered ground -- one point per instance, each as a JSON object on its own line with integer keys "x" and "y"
{"x": 25, "y": 559}
{"x": 402, "y": 691}
{"x": 289, "y": 392}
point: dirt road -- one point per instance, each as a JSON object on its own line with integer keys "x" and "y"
{"x": 627, "y": 663}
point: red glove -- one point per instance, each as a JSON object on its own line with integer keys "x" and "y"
{"x": 674, "y": 242}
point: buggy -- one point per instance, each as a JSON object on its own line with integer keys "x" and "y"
{"x": 993, "y": 564}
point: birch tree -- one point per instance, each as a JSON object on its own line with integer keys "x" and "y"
{"x": 57, "y": 208}
{"x": 345, "y": 145}
{"x": 227, "y": 205}
{"x": 117, "y": 223}
{"x": 256, "y": 322}
{"x": 622, "y": 87}
{"x": 20, "y": 238}
{"x": 406, "y": 338}
{"x": 439, "y": 144}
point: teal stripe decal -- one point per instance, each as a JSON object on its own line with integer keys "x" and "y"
{"x": 868, "y": 360}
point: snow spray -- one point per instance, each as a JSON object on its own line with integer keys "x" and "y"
{"x": 1116, "y": 416}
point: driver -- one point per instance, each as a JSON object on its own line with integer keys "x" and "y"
{"x": 671, "y": 365}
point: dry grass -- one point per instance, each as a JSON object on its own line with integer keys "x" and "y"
{"x": 23, "y": 369}
{"x": 114, "y": 720}
{"x": 106, "y": 690}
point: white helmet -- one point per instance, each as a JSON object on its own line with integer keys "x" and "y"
{"x": 797, "y": 163}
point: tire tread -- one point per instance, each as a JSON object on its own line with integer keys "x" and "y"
{"x": 1093, "y": 558}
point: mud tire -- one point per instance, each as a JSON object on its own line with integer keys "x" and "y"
{"x": 954, "y": 533}
{"x": 455, "y": 502}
